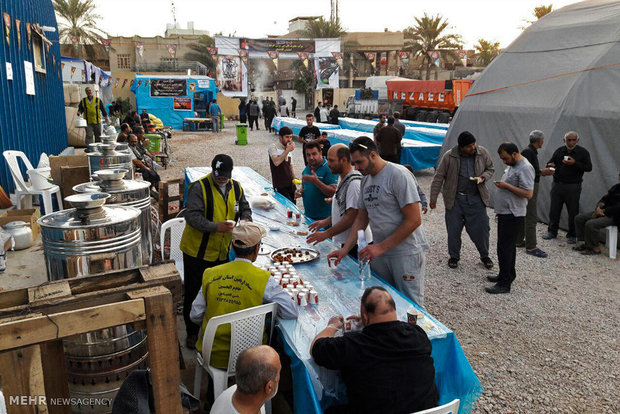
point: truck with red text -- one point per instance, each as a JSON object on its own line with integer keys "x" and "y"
{"x": 428, "y": 100}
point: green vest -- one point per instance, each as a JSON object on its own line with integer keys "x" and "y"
{"x": 91, "y": 110}
{"x": 212, "y": 246}
{"x": 229, "y": 288}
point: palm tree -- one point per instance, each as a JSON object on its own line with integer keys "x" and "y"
{"x": 200, "y": 54}
{"x": 486, "y": 51}
{"x": 428, "y": 35}
{"x": 543, "y": 10}
{"x": 78, "y": 22}
{"x": 539, "y": 12}
{"x": 321, "y": 28}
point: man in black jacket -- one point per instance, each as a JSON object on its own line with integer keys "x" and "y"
{"x": 570, "y": 162}
{"x": 587, "y": 225}
{"x": 317, "y": 112}
{"x": 387, "y": 366}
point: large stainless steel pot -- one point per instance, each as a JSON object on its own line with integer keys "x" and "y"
{"x": 125, "y": 193}
{"x": 90, "y": 238}
{"x": 105, "y": 157}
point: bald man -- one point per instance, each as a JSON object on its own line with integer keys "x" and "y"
{"x": 257, "y": 378}
{"x": 344, "y": 201}
{"x": 387, "y": 366}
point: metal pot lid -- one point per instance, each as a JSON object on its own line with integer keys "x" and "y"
{"x": 87, "y": 201}
{"x": 126, "y": 186}
{"x": 111, "y": 174}
{"x": 15, "y": 225}
{"x": 69, "y": 219}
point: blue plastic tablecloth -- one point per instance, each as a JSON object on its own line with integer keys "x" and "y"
{"x": 422, "y": 124}
{"x": 418, "y": 133}
{"x": 339, "y": 292}
{"x": 418, "y": 154}
{"x": 297, "y": 124}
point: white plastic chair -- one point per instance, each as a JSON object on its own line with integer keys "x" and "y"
{"x": 247, "y": 327}
{"x": 612, "y": 240}
{"x": 451, "y": 408}
{"x": 22, "y": 187}
{"x": 176, "y": 226}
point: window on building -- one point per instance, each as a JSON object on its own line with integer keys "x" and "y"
{"x": 40, "y": 64}
{"x": 123, "y": 61}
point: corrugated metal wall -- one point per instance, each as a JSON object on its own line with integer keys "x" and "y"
{"x": 32, "y": 124}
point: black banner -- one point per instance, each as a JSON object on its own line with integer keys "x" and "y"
{"x": 168, "y": 87}
{"x": 279, "y": 45}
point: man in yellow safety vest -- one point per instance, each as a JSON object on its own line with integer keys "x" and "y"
{"x": 214, "y": 203}
{"x": 92, "y": 109}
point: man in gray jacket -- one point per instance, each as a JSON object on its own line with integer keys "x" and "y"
{"x": 461, "y": 177}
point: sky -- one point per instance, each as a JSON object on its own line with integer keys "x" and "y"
{"x": 492, "y": 20}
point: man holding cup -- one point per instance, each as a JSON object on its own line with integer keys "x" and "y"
{"x": 386, "y": 352}
{"x": 214, "y": 203}
{"x": 570, "y": 162}
{"x": 280, "y": 163}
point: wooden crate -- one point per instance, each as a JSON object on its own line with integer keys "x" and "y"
{"x": 33, "y": 322}
{"x": 165, "y": 212}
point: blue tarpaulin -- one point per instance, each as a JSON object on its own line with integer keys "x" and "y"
{"x": 297, "y": 124}
{"x": 173, "y": 98}
{"x": 420, "y": 155}
{"x": 419, "y": 133}
{"x": 316, "y": 388}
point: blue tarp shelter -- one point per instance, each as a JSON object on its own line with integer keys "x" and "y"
{"x": 173, "y": 98}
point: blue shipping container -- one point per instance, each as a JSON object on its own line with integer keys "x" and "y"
{"x": 30, "y": 123}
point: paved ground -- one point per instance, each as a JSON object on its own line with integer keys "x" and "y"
{"x": 549, "y": 346}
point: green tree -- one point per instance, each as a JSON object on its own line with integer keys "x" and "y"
{"x": 199, "y": 52}
{"x": 321, "y": 28}
{"x": 428, "y": 34}
{"x": 486, "y": 51}
{"x": 78, "y": 22}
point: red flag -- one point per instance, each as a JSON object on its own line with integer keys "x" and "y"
{"x": 124, "y": 83}
{"x": 29, "y": 34}
{"x": 7, "y": 27}
{"x": 19, "y": 33}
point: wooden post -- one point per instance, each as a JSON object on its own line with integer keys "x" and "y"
{"x": 55, "y": 376}
{"x": 21, "y": 380}
{"x": 164, "y": 360}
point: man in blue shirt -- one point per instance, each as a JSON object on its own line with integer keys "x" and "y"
{"x": 215, "y": 111}
{"x": 318, "y": 183}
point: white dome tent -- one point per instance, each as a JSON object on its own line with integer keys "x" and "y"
{"x": 561, "y": 74}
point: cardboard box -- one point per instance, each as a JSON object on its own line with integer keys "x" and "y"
{"x": 30, "y": 216}
{"x": 56, "y": 164}
{"x": 72, "y": 176}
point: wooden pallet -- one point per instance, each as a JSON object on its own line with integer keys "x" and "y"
{"x": 33, "y": 322}
{"x": 165, "y": 212}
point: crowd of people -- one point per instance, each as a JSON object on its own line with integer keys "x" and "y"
{"x": 362, "y": 187}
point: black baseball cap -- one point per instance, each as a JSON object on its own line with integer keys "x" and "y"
{"x": 222, "y": 166}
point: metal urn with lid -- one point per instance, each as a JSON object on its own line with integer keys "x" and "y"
{"x": 90, "y": 238}
{"x": 125, "y": 193}
{"x": 106, "y": 156}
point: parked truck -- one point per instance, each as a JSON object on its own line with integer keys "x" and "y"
{"x": 428, "y": 101}
{"x": 367, "y": 104}
{"x": 417, "y": 100}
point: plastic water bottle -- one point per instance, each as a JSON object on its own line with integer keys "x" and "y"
{"x": 364, "y": 266}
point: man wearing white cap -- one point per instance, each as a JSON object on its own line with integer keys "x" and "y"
{"x": 236, "y": 286}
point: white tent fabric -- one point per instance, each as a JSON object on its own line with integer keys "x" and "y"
{"x": 561, "y": 74}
